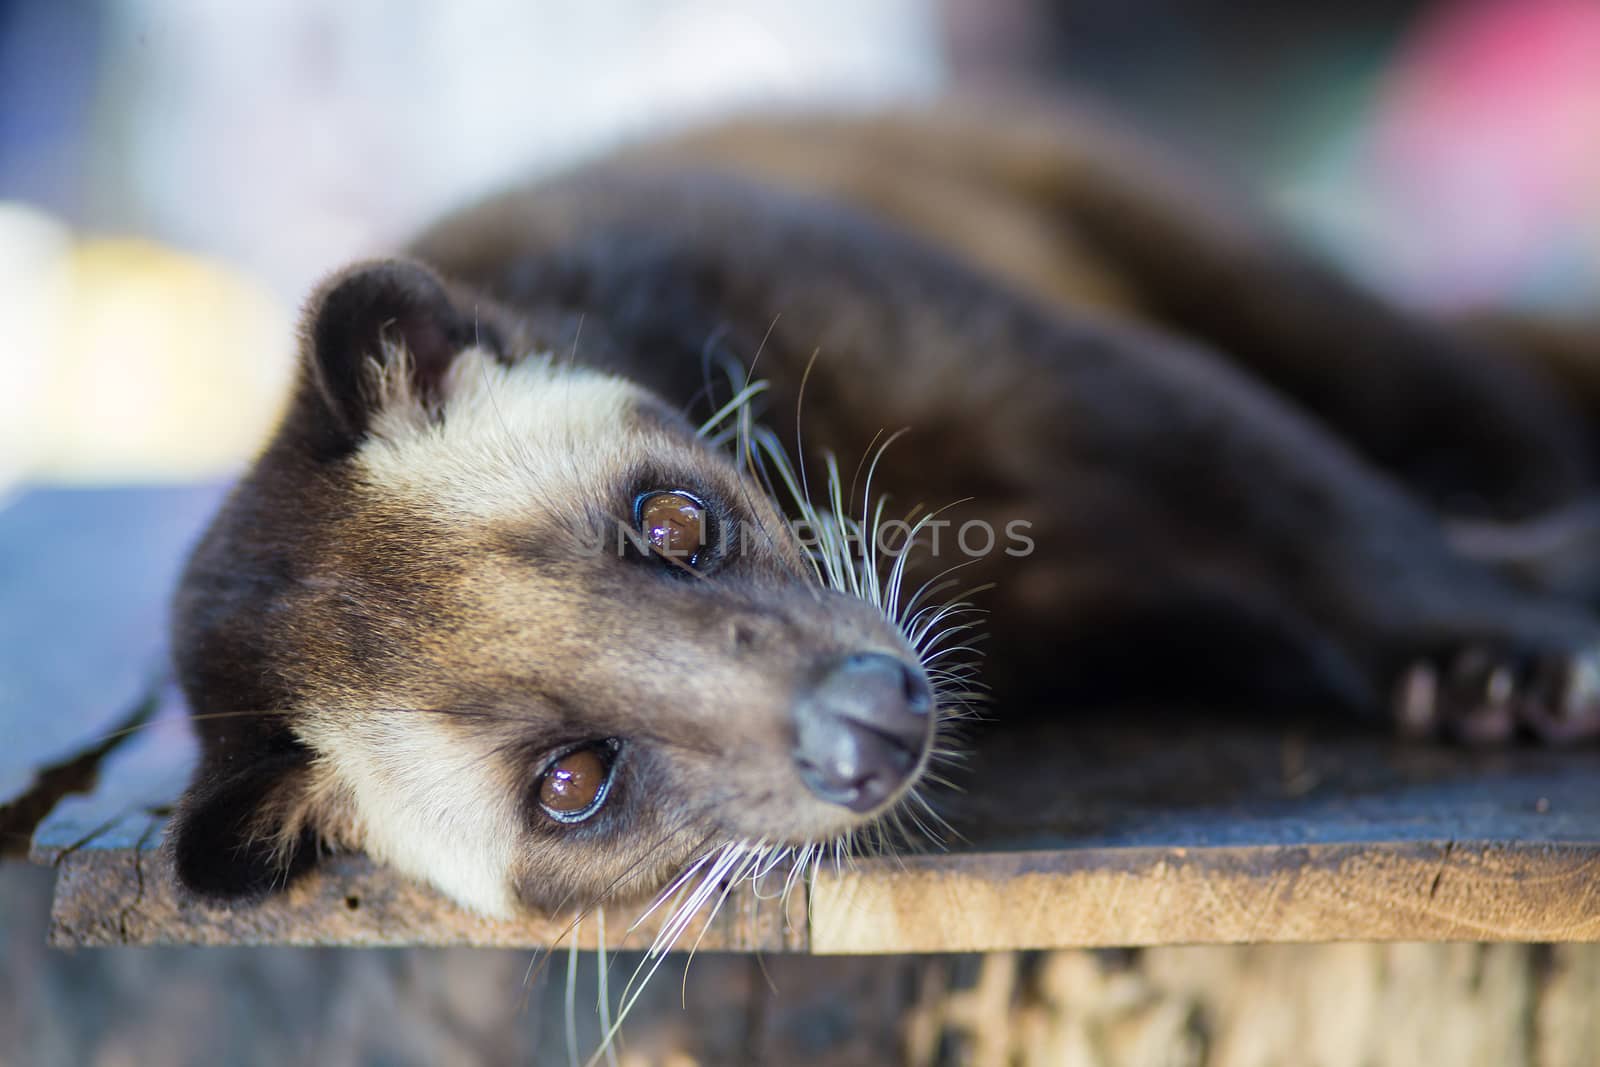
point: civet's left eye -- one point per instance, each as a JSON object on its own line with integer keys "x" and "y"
{"x": 675, "y": 525}
{"x": 575, "y": 785}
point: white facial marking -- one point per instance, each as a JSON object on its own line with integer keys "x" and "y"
{"x": 510, "y": 437}
{"x": 424, "y": 803}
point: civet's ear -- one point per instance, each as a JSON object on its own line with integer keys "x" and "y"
{"x": 384, "y": 333}
{"x": 240, "y": 832}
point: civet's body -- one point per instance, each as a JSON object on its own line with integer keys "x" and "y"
{"x": 1193, "y": 464}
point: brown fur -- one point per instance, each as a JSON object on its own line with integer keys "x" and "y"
{"x": 1233, "y": 466}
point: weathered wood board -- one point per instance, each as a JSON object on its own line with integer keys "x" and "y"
{"x": 1160, "y": 832}
{"x": 1139, "y": 832}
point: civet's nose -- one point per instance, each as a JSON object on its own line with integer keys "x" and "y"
{"x": 862, "y": 729}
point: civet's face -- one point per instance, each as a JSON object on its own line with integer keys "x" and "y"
{"x": 513, "y": 628}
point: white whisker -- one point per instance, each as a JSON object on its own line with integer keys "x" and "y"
{"x": 740, "y": 401}
{"x": 602, "y": 993}
{"x": 940, "y": 627}
{"x": 571, "y": 1003}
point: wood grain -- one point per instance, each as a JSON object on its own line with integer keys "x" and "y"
{"x": 127, "y": 896}
{"x": 1471, "y": 891}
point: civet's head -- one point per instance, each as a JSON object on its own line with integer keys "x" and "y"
{"x": 513, "y": 627}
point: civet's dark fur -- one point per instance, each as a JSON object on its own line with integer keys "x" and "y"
{"x": 1238, "y": 469}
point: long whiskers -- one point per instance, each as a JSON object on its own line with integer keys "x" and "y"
{"x": 844, "y": 556}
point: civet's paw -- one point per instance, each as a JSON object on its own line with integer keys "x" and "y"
{"x": 1484, "y": 695}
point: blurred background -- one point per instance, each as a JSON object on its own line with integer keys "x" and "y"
{"x": 176, "y": 174}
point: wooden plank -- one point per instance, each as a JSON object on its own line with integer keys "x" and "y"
{"x": 1458, "y": 891}
{"x": 1192, "y": 780}
{"x": 85, "y": 576}
{"x": 1162, "y": 832}
{"x": 1132, "y": 830}
{"x": 138, "y": 782}
{"x": 1214, "y": 841}
{"x": 127, "y": 896}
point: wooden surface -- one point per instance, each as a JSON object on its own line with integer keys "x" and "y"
{"x": 1338, "y": 1005}
{"x": 85, "y": 578}
{"x": 1160, "y": 833}
{"x": 1152, "y": 832}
